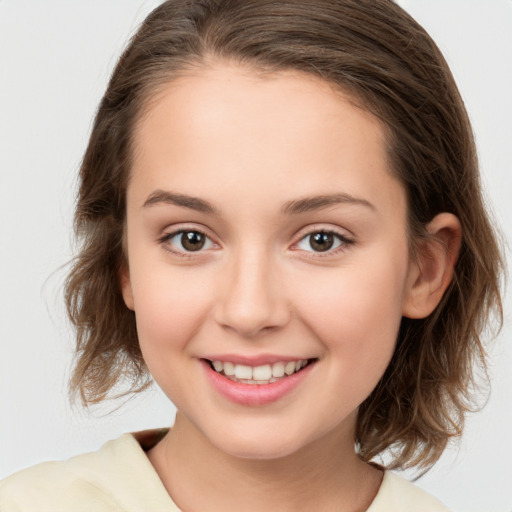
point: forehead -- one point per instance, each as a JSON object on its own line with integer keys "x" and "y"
{"x": 247, "y": 97}
{"x": 285, "y": 133}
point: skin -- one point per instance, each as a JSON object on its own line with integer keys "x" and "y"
{"x": 248, "y": 144}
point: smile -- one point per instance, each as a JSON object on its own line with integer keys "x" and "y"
{"x": 257, "y": 385}
{"x": 264, "y": 374}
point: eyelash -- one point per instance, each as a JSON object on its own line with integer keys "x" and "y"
{"x": 344, "y": 242}
{"x": 343, "y": 239}
{"x": 182, "y": 254}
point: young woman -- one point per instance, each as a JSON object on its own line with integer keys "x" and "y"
{"x": 281, "y": 224}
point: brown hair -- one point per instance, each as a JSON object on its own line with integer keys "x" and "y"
{"x": 377, "y": 53}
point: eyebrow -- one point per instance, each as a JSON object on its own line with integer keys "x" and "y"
{"x": 294, "y": 207}
{"x": 307, "y": 204}
{"x": 194, "y": 203}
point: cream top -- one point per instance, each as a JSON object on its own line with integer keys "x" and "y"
{"x": 120, "y": 478}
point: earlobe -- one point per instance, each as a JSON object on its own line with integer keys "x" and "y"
{"x": 126, "y": 286}
{"x": 432, "y": 271}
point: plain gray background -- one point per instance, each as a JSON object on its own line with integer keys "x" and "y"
{"x": 55, "y": 59}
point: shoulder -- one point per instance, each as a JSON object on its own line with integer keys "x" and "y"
{"x": 400, "y": 495}
{"x": 118, "y": 477}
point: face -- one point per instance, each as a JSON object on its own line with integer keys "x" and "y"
{"x": 265, "y": 232}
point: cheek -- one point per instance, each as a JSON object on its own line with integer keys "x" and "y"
{"x": 356, "y": 314}
{"x": 169, "y": 308}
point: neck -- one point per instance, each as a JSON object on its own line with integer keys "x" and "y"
{"x": 322, "y": 475}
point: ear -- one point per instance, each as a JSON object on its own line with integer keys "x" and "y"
{"x": 432, "y": 271}
{"x": 126, "y": 286}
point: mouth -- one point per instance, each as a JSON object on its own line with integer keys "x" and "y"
{"x": 262, "y": 374}
{"x": 267, "y": 381}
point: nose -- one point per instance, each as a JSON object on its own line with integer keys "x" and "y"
{"x": 252, "y": 298}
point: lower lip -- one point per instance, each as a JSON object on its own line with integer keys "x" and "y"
{"x": 255, "y": 394}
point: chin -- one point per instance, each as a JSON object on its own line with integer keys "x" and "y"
{"x": 253, "y": 452}
{"x": 264, "y": 445}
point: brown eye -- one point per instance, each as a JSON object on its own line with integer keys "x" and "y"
{"x": 192, "y": 240}
{"x": 321, "y": 241}
{"x": 324, "y": 241}
{"x": 182, "y": 242}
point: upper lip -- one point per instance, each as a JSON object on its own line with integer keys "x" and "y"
{"x": 256, "y": 360}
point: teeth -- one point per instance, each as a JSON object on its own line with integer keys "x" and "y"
{"x": 289, "y": 368}
{"x": 243, "y": 372}
{"x": 278, "y": 369}
{"x": 264, "y": 374}
{"x": 229, "y": 368}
